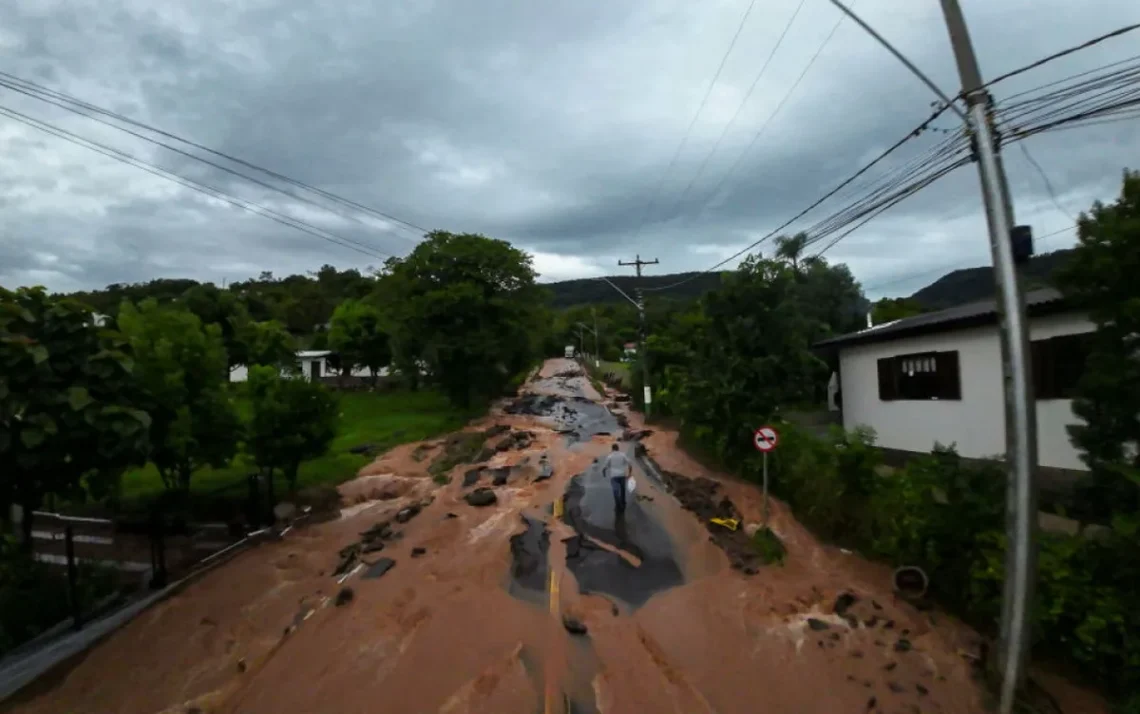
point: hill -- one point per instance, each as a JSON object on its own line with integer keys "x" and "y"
{"x": 584, "y": 291}
{"x": 970, "y": 284}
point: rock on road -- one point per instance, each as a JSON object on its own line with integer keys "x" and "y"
{"x": 543, "y": 600}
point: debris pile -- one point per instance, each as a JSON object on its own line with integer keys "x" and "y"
{"x": 701, "y": 496}
{"x": 532, "y": 405}
{"x": 374, "y": 540}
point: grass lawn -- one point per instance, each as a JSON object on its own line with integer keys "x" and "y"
{"x": 383, "y": 419}
{"x": 621, "y": 369}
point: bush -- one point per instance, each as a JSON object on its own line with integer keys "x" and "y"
{"x": 769, "y": 546}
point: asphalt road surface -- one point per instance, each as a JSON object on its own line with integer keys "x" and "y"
{"x": 542, "y": 601}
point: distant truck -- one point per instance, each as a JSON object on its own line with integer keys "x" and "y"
{"x": 569, "y": 351}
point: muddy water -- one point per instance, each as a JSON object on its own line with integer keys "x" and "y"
{"x": 479, "y": 619}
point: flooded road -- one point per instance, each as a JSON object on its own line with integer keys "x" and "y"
{"x": 510, "y": 589}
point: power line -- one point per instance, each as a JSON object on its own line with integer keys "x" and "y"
{"x": 780, "y": 105}
{"x": 867, "y": 167}
{"x": 190, "y": 183}
{"x": 1045, "y": 180}
{"x": 1063, "y": 53}
{"x": 33, "y": 89}
{"x": 740, "y": 107}
{"x": 700, "y": 108}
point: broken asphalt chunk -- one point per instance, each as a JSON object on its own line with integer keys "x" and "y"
{"x": 378, "y": 568}
{"x": 471, "y": 476}
{"x": 903, "y": 645}
{"x": 843, "y": 603}
{"x": 417, "y": 552}
{"x": 344, "y": 596}
{"x": 817, "y": 625}
{"x": 573, "y": 625}
{"x": 406, "y": 514}
{"x": 481, "y": 497}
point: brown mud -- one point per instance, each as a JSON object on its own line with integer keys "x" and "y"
{"x": 543, "y": 600}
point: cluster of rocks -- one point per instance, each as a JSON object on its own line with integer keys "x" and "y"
{"x": 373, "y": 540}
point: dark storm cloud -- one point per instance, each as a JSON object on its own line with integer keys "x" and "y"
{"x": 548, "y": 124}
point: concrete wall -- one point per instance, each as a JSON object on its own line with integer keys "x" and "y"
{"x": 976, "y": 423}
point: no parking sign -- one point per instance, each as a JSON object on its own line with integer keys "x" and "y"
{"x": 765, "y": 439}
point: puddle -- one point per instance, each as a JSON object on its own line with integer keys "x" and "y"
{"x": 530, "y": 566}
{"x": 641, "y": 560}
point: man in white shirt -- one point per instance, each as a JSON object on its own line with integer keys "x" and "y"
{"x": 617, "y": 468}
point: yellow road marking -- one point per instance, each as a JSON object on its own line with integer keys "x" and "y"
{"x": 552, "y": 591}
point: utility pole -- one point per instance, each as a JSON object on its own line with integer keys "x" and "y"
{"x": 1020, "y": 407}
{"x": 597, "y": 354}
{"x": 647, "y": 393}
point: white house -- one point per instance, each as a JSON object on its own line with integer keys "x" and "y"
{"x": 314, "y": 364}
{"x": 938, "y": 378}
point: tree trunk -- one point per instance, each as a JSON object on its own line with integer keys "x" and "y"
{"x": 271, "y": 500}
{"x": 291, "y": 477}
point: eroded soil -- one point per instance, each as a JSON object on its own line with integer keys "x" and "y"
{"x": 531, "y": 596}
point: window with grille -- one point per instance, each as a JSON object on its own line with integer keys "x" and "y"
{"x": 925, "y": 375}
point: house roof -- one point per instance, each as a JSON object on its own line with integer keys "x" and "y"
{"x": 1043, "y": 301}
{"x": 312, "y": 354}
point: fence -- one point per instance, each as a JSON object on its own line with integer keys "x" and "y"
{"x": 147, "y": 553}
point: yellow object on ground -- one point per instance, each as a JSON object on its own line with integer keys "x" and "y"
{"x": 729, "y": 523}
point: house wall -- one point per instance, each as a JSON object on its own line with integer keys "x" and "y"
{"x": 240, "y": 373}
{"x": 976, "y": 423}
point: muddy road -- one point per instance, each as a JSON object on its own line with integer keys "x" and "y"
{"x": 515, "y": 587}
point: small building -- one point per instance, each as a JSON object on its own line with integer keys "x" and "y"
{"x": 629, "y": 350}
{"x": 937, "y": 377}
{"x": 313, "y": 365}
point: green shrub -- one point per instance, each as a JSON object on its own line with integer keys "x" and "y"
{"x": 769, "y": 546}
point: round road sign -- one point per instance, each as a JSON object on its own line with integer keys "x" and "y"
{"x": 765, "y": 438}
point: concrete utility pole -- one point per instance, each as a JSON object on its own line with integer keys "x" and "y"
{"x": 1020, "y": 406}
{"x": 647, "y": 392}
{"x": 597, "y": 353}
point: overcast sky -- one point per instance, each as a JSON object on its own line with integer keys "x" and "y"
{"x": 550, "y": 124}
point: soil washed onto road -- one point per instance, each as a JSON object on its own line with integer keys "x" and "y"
{"x": 515, "y": 588}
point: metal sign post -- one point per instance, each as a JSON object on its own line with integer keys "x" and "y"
{"x": 765, "y": 439}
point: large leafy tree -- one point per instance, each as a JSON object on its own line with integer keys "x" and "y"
{"x": 1102, "y": 278}
{"x": 358, "y": 335}
{"x": 69, "y": 417}
{"x": 222, "y": 308}
{"x": 292, "y": 420}
{"x": 181, "y": 366}
{"x": 265, "y": 343}
{"x": 468, "y": 306}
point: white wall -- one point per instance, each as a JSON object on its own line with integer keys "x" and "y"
{"x": 976, "y": 423}
{"x": 241, "y": 374}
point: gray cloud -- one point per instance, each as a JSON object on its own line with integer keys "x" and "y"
{"x": 548, "y": 124}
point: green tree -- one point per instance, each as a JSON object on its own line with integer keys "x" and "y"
{"x": 181, "y": 366}
{"x": 222, "y": 308}
{"x": 358, "y": 336}
{"x": 266, "y": 343}
{"x": 791, "y": 249}
{"x": 891, "y": 309}
{"x": 292, "y": 420}
{"x": 69, "y": 417}
{"x": 1101, "y": 277}
{"x": 468, "y": 307}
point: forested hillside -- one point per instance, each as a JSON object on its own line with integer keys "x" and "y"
{"x": 970, "y": 284}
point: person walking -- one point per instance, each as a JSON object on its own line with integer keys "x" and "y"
{"x": 617, "y": 468}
